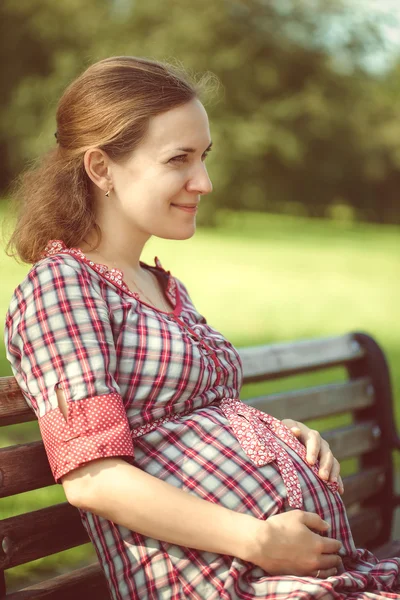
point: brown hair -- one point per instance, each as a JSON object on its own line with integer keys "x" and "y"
{"x": 109, "y": 107}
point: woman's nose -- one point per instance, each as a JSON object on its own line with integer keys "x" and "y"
{"x": 200, "y": 181}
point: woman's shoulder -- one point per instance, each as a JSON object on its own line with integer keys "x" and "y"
{"x": 58, "y": 269}
{"x": 48, "y": 274}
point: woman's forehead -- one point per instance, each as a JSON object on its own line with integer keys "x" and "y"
{"x": 185, "y": 126}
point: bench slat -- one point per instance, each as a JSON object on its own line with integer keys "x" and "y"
{"x": 365, "y": 525}
{"x": 40, "y": 533}
{"x": 89, "y": 580}
{"x": 13, "y": 407}
{"x": 321, "y": 401}
{"x": 353, "y": 440}
{"x": 23, "y": 468}
{"x": 363, "y": 485}
{"x": 279, "y": 360}
{"x": 300, "y": 404}
{"x": 80, "y": 584}
{"x": 30, "y": 544}
{"x": 259, "y": 362}
{"x": 37, "y": 534}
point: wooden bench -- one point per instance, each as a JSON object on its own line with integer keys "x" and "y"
{"x": 363, "y": 396}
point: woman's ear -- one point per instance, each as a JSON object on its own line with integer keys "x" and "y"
{"x": 97, "y": 167}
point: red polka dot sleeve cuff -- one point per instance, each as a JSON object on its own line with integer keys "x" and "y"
{"x": 96, "y": 427}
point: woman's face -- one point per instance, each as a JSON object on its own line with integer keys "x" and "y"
{"x": 164, "y": 174}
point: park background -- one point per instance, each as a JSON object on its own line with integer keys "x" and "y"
{"x": 300, "y": 237}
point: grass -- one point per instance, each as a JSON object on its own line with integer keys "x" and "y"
{"x": 259, "y": 279}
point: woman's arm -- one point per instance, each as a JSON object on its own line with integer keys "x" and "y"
{"x": 124, "y": 494}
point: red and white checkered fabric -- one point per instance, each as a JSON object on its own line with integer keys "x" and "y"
{"x": 162, "y": 390}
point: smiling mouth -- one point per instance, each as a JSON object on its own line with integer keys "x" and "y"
{"x": 192, "y": 208}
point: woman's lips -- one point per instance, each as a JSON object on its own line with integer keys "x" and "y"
{"x": 190, "y": 209}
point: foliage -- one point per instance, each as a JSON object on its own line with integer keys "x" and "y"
{"x": 300, "y": 124}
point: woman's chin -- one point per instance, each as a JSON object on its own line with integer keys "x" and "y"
{"x": 183, "y": 233}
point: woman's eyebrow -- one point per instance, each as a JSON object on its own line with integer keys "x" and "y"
{"x": 193, "y": 149}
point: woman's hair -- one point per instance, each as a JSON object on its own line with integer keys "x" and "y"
{"x": 109, "y": 107}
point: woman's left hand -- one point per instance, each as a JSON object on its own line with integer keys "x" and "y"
{"x": 317, "y": 449}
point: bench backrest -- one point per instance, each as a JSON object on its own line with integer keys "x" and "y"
{"x": 369, "y": 436}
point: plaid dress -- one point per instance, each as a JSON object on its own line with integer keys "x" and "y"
{"x": 161, "y": 389}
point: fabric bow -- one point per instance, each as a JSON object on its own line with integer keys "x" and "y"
{"x": 257, "y": 433}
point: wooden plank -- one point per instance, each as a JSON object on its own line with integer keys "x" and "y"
{"x": 279, "y": 360}
{"x": 24, "y": 467}
{"x": 259, "y": 363}
{"x": 353, "y": 440}
{"x": 361, "y": 486}
{"x": 365, "y": 526}
{"x": 27, "y": 535}
{"x": 80, "y": 584}
{"x": 13, "y": 407}
{"x": 39, "y": 533}
{"x": 316, "y": 402}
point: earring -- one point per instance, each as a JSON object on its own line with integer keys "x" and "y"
{"x": 107, "y": 193}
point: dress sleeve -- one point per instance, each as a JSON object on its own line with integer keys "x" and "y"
{"x": 58, "y": 335}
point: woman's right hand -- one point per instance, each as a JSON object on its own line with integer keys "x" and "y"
{"x": 289, "y": 544}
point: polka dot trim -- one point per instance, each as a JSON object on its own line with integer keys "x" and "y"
{"x": 96, "y": 427}
{"x": 256, "y": 432}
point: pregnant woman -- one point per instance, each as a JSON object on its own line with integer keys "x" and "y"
{"x": 185, "y": 491}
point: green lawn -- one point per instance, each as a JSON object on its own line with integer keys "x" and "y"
{"x": 262, "y": 279}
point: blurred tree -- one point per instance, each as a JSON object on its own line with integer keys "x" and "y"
{"x": 300, "y": 124}
{"x": 44, "y": 44}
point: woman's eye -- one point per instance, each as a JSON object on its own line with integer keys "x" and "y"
{"x": 181, "y": 158}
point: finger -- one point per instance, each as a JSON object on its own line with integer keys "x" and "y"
{"x": 296, "y": 431}
{"x": 329, "y": 545}
{"x": 325, "y": 461}
{"x": 313, "y": 446}
{"x": 290, "y": 423}
{"x": 314, "y": 521}
{"x": 327, "y": 562}
{"x": 340, "y": 486}
{"x": 335, "y": 470}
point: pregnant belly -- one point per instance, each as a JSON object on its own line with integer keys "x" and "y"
{"x": 201, "y": 454}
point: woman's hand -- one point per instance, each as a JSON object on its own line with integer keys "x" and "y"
{"x": 293, "y": 543}
{"x": 317, "y": 449}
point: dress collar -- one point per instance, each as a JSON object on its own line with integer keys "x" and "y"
{"x": 115, "y": 276}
